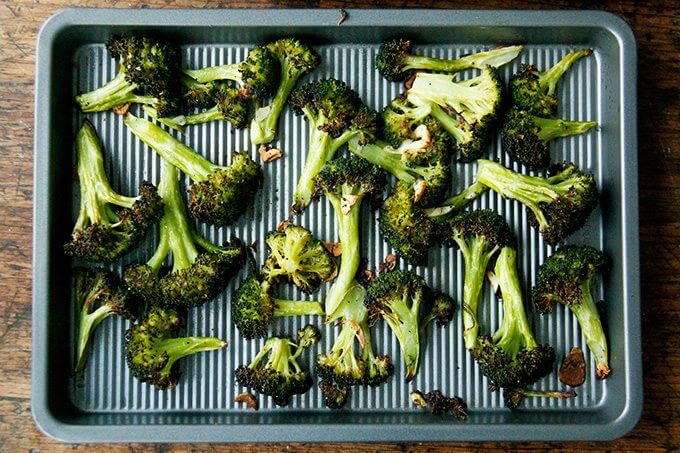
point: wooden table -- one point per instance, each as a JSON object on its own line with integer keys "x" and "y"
{"x": 657, "y": 29}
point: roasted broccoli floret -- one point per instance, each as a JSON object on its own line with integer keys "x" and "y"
{"x": 429, "y": 181}
{"x": 558, "y": 204}
{"x": 410, "y": 229}
{"x": 336, "y": 115}
{"x": 149, "y": 74}
{"x": 227, "y": 104}
{"x": 280, "y": 376}
{"x": 480, "y": 235}
{"x": 441, "y": 404}
{"x": 218, "y": 195}
{"x": 512, "y": 358}
{"x": 257, "y": 75}
{"x": 346, "y": 182}
{"x": 514, "y": 397}
{"x": 98, "y": 294}
{"x": 295, "y": 60}
{"x": 196, "y": 277}
{"x": 108, "y": 224}
{"x": 297, "y": 256}
{"x": 466, "y": 109}
{"x": 342, "y": 367}
{"x": 253, "y": 308}
{"x": 395, "y": 61}
{"x": 405, "y": 302}
{"x": 534, "y": 91}
{"x": 525, "y": 137}
{"x": 567, "y": 277}
{"x": 153, "y": 345}
{"x": 442, "y": 311}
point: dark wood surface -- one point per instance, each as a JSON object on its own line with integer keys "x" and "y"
{"x": 657, "y": 29}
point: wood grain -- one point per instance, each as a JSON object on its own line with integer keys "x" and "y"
{"x": 657, "y": 29}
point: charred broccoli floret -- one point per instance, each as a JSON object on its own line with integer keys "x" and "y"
{"x": 525, "y": 137}
{"x": 567, "y": 277}
{"x": 480, "y": 235}
{"x": 558, "y": 204}
{"x": 512, "y": 358}
{"x": 280, "y": 376}
{"x": 395, "y": 61}
{"x": 346, "y": 182}
{"x": 295, "y": 60}
{"x": 335, "y": 396}
{"x": 336, "y": 115}
{"x": 514, "y": 397}
{"x": 410, "y": 229}
{"x": 406, "y": 303}
{"x": 108, "y": 224}
{"x": 98, "y": 294}
{"x": 534, "y": 91}
{"x": 149, "y": 74}
{"x": 466, "y": 109}
{"x": 257, "y": 75}
{"x": 218, "y": 195}
{"x": 254, "y": 308}
{"x": 152, "y": 347}
{"x": 297, "y": 256}
{"x": 196, "y": 277}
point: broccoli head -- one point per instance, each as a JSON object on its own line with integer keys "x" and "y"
{"x": 296, "y": 255}
{"x": 558, "y": 204}
{"x": 108, "y": 224}
{"x": 218, "y": 195}
{"x": 295, "y": 60}
{"x": 149, "y": 74}
{"x": 335, "y": 396}
{"x": 480, "y": 235}
{"x": 465, "y": 109}
{"x": 346, "y": 182}
{"x": 254, "y": 308}
{"x": 534, "y": 91}
{"x": 567, "y": 277}
{"x": 280, "y": 376}
{"x": 336, "y": 114}
{"x": 152, "y": 347}
{"x": 395, "y": 61}
{"x": 511, "y": 358}
{"x": 98, "y": 294}
{"x": 196, "y": 277}
{"x": 525, "y": 137}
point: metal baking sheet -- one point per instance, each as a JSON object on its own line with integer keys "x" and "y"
{"x": 108, "y": 405}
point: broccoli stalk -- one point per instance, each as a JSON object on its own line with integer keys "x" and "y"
{"x": 295, "y": 59}
{"x": 394, "y": 60}
{"x": 218, "y": 195}
{"x": 152, "y": 347}
{"x": 525, "y": 137}
{"x": 108, "y": 224}
{"x": 567, "y": 277}
{"x": 336, "y": 114}
{"x": 514, "y": 397}
{"x": 534, "y": 91}
{"x": 98, "y": 295}
{"x": 558, "y": 205}
{"x": 512, "y": 358}
{"x": 479, "y": 235}
{"x": 346, "y": 181}
{"x": 196, "y": 277}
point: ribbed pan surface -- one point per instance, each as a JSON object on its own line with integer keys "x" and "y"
{"x": 207, "y": 379}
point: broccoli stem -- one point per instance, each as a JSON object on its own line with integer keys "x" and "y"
{"x": 545, "y": 393}
{"x": 402, "y": 321}
{"x": 589, "y": 319}
{"x": 548, "y": 79}
{"x": 212, "y": 73}
{"x": 317, "y": 155}
{"x": 495, "y": 58}
{"x": 449, "y": 123}
{"x": 550, "y": 128}
{"x": 169, "y": 148}
{"x": 177, "y": 348}
{"x": 457, "y": 202}
{"x": 176, "y": 122}
{"x": 263, "y": 124}
{"x": 296, "y": 308}
{"x": 383, "y": 155}
{"x": 88, "y": 323}
{"x": 348, "y": 232}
